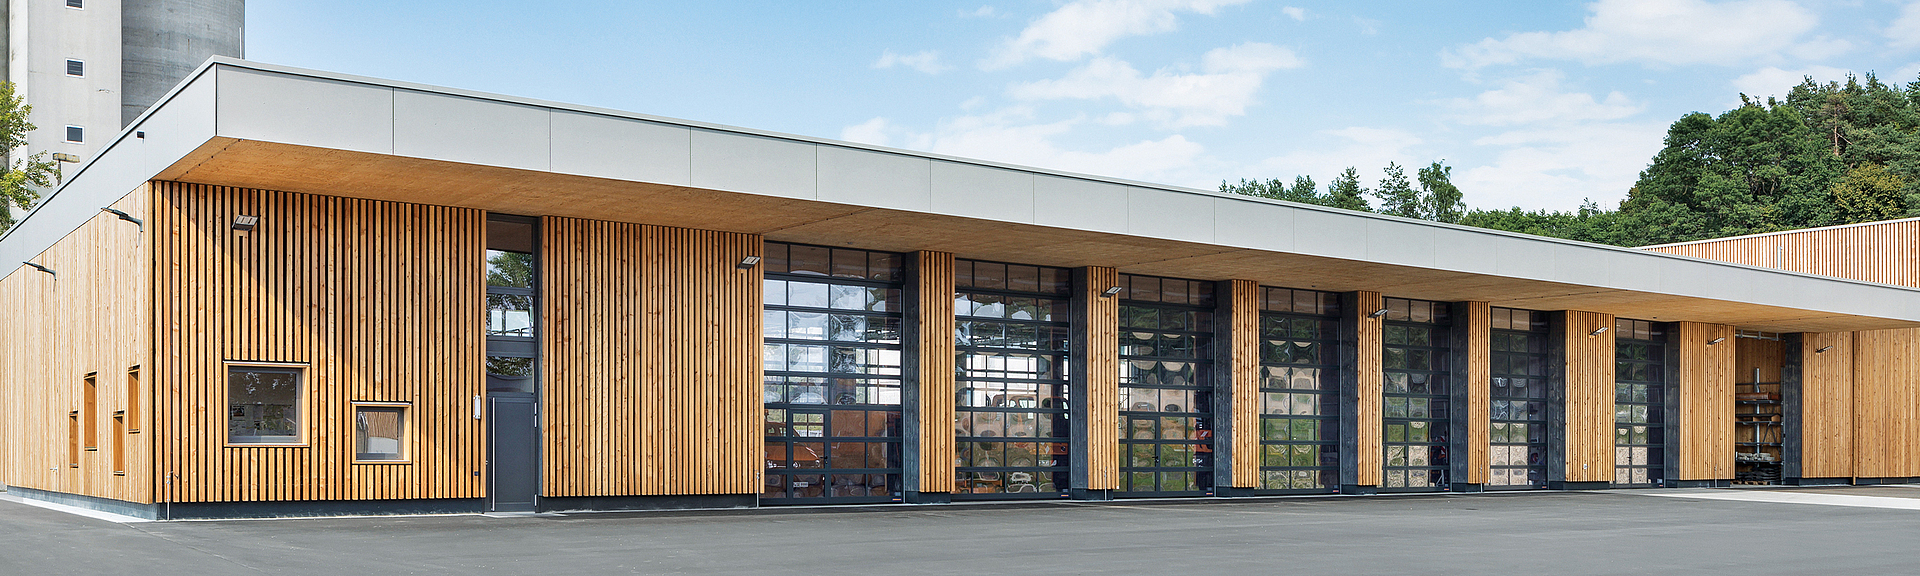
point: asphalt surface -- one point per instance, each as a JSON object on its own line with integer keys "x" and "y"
{"x": 1557, "y": 533}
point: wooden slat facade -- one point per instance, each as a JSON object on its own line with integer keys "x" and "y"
{"x": 92, "y": 319}
{"x": 1886, "y": 372}
{"x": 374, "y": 301}
{"x": 1242, "y": 368}
{"x": 1478, "y": 323}
{"x": 1589, "y": 372}
{"x": 1096, "y": 378}
{"x": 1875, "y": 252}
{"x": 1703, "y": 420}
{"x": 933, "y": 378}
{"x": 1826, "y": 405}
{"x": 1363, "y": 422}
{"x": 651, "y": 360}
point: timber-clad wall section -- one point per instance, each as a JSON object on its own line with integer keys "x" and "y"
{"x": 1886, "y": 438}
{"x": 1242, "y": 298}
{"x": 651, "y": 371}
{"x": 92, "y": 319}
{"x": 1705, "y": 400}
{"x": 1826, "y": 405}
{"x": 375, "y": 301}
{"x": 934, "y": 375}
{"x": 1479, "y": 326}
{"x": 1361, "y": 420}
{"x": 1096, "y": 378}
{"x": 1589, "y": 397}
{"x": 1875, "y": 252}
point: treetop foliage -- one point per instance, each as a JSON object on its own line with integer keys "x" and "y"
{"x": 19, "y": 178}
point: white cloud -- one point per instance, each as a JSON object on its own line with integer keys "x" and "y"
{"x": 1229, "y": 82}
{"x": 1772, "y": 81}
{"x": 1012, "y": 135}
{"x": 1670, "y": 32}
{"x": 927, "y": 61}
{"x": 1554, "y": 168}
{"x": 1364, "y": 148}
{"x": 1538, "y": 97}
{"x": 1084, "y": 27}
{"x": 1904, "y": 32}
{"x": 1296, "y": 13}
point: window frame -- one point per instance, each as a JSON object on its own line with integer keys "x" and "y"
{"x": 406, "y": 432}
{"x": 68, "y": 135}
{"x": 303, "y": 406}
{"x": 69, "y": 68}
{"x": 77, "y": 4}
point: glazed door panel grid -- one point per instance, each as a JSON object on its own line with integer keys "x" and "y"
{"x": 1517, "y": 411}
{"x": 1640, "y": 391}
{"x": 1166, "y": 386}
{"x": 1414, "y": 397}
{"x": 1011, "y": 429}
{"x": 1299, "y": 391}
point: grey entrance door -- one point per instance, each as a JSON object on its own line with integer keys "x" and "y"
{"x": 513, "y": 474}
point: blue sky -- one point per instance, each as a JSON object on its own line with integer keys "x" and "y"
{"x": 1534, "y": 104}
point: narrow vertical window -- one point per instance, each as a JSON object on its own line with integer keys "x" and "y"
{"x": 73, "y": 439}
{"x": 76, "y": 134}
{"x": 133, "y": 400}
{"x": 120, "y": 444}
{"x": 379, "y": 432}
{"x": 89, "y": 411}
{"x": 263, "y": 405}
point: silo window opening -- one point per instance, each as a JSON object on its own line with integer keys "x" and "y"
{"x": 76, "y": 134}
{"x": 76, "y": 68}
{"x": 76, "y": 4}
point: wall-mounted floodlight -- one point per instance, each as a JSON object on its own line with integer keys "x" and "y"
{"x": 1823, "y": 350}
{"x": 244, "y": 223}
{"x": 1110, "y": 292}
{"x": 1717, "y": 340}
{"x": 748, "y": 263}
{"x": 127, "y": 217}
{"x": 1378, "y": 313}
{"x": 65, "y": 157}
{"x": 56, "y": 275}
{"x": 1602, "y": 330}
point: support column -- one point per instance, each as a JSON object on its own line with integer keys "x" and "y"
{"x": 1360, "y": 392}
{"x": 1236, "y": 384}
{"x": 1469, "y": 345}
{"x": 1816, "y": 389}
{"x": 1580, "y": 400}
{"x": 927, "y": 367}
{"x": 1094, "y": 374}
{"x": 1700, "y": 428}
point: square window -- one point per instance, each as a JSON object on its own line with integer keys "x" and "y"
{"x": 76, "y": 134}
{"x": 76, "y": 68}
{"x": 263, "y": 405}
{"x": 379, "y": 432}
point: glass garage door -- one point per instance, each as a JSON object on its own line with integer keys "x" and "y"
{"x": 1299, "y": 391}
{"x": 1011, "y": 329}
{"x": 1518, "y": 404}
{"x": 1166, "y": 399}
{"x": 832, "y": 388}
{"x": 1415, "y": 399}
{"x": 1639, "y": 414}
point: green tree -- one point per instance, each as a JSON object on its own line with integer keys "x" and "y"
{"x": 1302, "y": 190}
{"x": 1440, "y": 200}
{"x": 1396, "y": 194}
{"x": 1870, "y": 193}
{"x": 19, "y": 178}
{"x": 1346, "y": 192}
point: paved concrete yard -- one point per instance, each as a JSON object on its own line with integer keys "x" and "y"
{"x": 1532, "y": 534}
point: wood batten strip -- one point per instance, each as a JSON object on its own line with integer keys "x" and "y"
{"x": 1586, "y": 363}
{"x": 1361, "y": 381}
{"x": 1095, "y": 378}
{"x": 1238, "y": 362}
{"x": 1703, "y": 422}
{"x": 651, "y": 372}
{"x": 931, "y": 356}
{"x": 1886, "y": 437}
{"x": 1822, "y": 425}
{"x": 1477, "y": 323}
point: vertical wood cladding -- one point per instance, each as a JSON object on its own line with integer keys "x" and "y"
{"x": 1477, "y": 322}
{"x": 1242, "y": 370}
{"x": 932, "y": 355}
{"x": 1096, "y": 379}
{"x": 1826, "y": 405}
{"x": 92, "y": 319}
{"x": 651, "y": 367}
{"x": 1876, "y": 252}
{"x": 1704, "y": 422}
{"x": 1589, "y": 408}
{"x": 373, "y": 301}
{"x": 1361, "y": 393}
{"x": 1886, "y": 437}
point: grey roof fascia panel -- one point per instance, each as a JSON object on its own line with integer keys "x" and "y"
{"x": 783, "y": 165}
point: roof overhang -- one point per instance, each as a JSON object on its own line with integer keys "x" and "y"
{"x": 236, "y": 123}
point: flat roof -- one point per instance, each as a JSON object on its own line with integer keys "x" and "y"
{"x": 253, "y": 125}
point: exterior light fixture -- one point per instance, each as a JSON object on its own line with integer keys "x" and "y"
{"x": 65, "y": 157}
{"x": 56, "y": 275}
{"x": 748, "y": 263}
{"x": 1823, "y": 350}
{"x": 1717, "y": 340}
{"x": 244, "y": 223}
{"x": 127, "y": 217}
{"x": 1602, "y": 330}
{"x": 1378, "y": 313}
{"x": 1110, "y": 292}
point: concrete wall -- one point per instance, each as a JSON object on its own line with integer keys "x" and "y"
{"x": 165, "y": 40}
